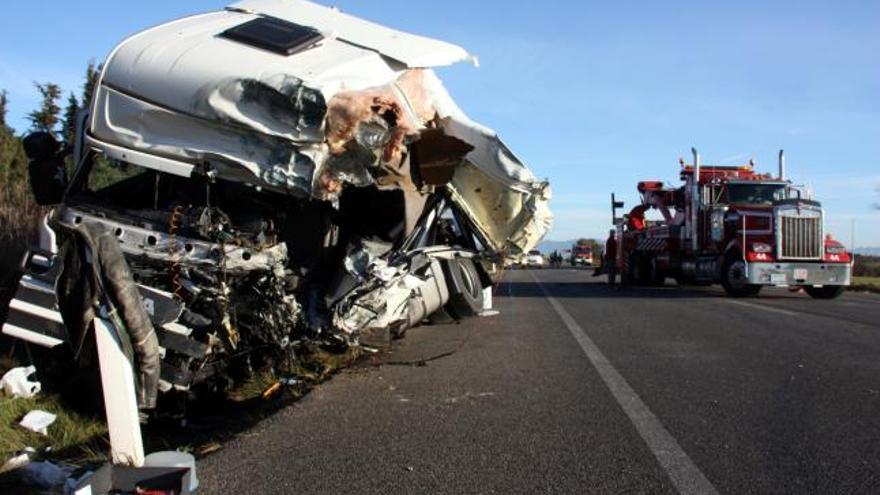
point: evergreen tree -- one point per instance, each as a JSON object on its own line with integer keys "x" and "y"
{"x": 13, "y": 164}
{"x": 92, "y": 73}
{"x": 68, "y": 125}
{"x": 46, "y": 118}
{"x": 7, "y": 137}
{"x": 5, "y": 142}
{"x": 4, "y": 100}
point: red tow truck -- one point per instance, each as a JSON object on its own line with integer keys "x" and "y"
{"x": 733, "y": 226}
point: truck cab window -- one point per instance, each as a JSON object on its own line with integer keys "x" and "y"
{"x": 116, "y": 184}
{"x": 107, "y": 175}
{"x": 756, "y": 194}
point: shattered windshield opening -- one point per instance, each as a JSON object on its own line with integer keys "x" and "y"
{"x": 101, "y": 181}
{"x": 756, "y": 194}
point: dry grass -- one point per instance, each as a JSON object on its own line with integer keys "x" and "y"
{"x": 72, "y": 437}
{"x": 871, "y": 284}
{"x": 19, "y": 219}
{"x": 82, "y": 440}
{"x": 213, "y": 422}
{"x": 19, "y": 215}
{"x": 311, "y": 368}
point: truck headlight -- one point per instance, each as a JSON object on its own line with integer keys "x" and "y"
{"x": 835, "y": 249}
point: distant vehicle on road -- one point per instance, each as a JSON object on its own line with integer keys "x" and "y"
{"x": 582, "y": 253}
{"x": 733, "y": 226}
{"x": 534, "y": 259}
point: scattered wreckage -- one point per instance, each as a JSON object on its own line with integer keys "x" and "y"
{"x": 272, "y": 174}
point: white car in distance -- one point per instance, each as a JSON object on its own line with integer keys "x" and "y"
{"x": 534, "y": 259}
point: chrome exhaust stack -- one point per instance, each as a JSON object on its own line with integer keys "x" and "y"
{"x": 695, "y": 201}
{"x": 781, "y": 164}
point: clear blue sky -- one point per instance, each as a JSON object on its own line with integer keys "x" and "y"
{"x": 593, "y": 95}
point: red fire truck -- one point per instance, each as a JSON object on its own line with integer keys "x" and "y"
{"x": 582, "y": 253}
{"x": 733, "y": 226}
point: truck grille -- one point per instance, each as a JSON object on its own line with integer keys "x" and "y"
{"x": 800, "y": 237}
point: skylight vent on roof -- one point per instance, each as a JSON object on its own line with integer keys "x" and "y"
{"x": 275, "y": 35}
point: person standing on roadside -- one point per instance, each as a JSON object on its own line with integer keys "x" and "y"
{"x": 611, "y": 258}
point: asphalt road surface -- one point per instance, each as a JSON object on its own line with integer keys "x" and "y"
{"x": 578, "y": 388}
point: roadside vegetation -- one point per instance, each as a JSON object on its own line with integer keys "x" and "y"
{"x": 866, "y": 273}
{"x": 73, "y": 437}
{"x": 19, "y": 215}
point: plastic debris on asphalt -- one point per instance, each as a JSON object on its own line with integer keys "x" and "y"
{"x": 38, "y": 421}
{"x": 15, "y": 382}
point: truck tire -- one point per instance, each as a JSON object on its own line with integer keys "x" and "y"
{"x": 465, "y": 288}
{"x": 824, "y": 292}
{"x": 657, "y": 275}
{"x": 733, "y": 278}
{"x": 640, "y": 268}
{"x": 627, "y": 275}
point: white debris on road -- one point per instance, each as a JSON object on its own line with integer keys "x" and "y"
{"x": 15, "y": 382}
{"x": 38, "y": 421}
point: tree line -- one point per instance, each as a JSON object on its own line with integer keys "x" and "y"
{"x": 19, "y": 215}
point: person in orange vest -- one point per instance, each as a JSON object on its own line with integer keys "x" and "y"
{"x": 611, "y": 257}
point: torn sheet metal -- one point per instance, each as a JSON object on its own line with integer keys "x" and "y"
{"x": 390, "y": 297}
{"x": 513, "y": 221}
{"x": 503, "y": 197}
{"x": 249, "y": 157}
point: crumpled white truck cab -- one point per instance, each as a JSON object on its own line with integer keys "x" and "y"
{"x": 303, "y": 99}
{"x": 269, "y": 175}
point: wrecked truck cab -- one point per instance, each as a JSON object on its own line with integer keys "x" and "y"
{"x": 359, "y": 104}
{"x": 275, "y": 174}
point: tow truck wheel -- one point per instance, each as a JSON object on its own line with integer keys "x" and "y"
{"x": 644, "y": 272}
{"x": 824, "y": 292}
{"x": 735, "y": 280}
{"x": 629, "y": 275}
{"x": 657, "y": 275}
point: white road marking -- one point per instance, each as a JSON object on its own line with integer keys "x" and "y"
{"x": 760, "y": 306}
{"x": 682, "y": 471}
